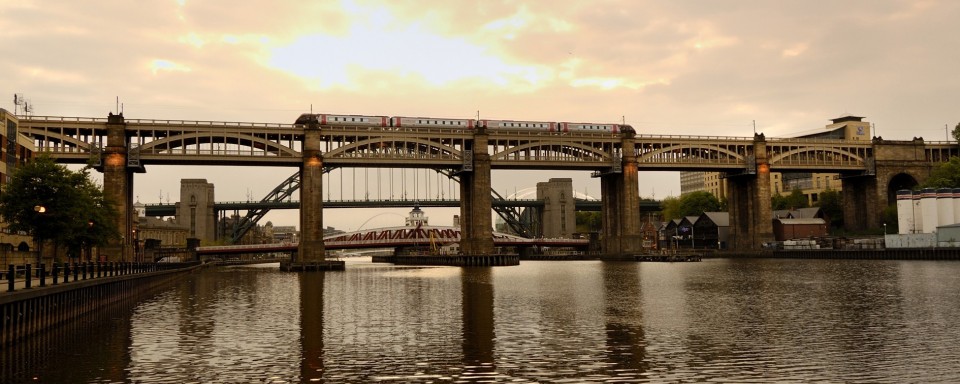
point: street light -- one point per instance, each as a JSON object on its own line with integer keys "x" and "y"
{"x": 40, "y": 210}
{"x": 884, "y": 229}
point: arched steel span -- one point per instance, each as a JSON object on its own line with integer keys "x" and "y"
{"x": 286, "y": 188}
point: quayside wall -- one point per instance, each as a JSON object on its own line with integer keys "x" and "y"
{"x": 28, "y": 312}
{"x": 853, "y": 254}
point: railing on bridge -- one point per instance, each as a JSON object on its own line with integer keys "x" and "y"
{"x": 172, "y": 141}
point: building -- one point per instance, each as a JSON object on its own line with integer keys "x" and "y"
{"x": 164, "y": 233}
{"x": 792, "y": 229}
{"x": 195, "y": 209}
{"x": 15, "y": 150}
{"x": 712, "y": 230}
{"x": 851, "y": 128}
{"x": 558, "y": 218}
{"x": 416, "y": 217}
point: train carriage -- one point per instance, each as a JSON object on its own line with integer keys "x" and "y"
{"x": 589, "y": 127}
{"x": 506, "y": 125}
{"x": 349, "y": 120}
{"x": 429, "y": 122}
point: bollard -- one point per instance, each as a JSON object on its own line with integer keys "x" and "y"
{"x": 10, "y": 275}
{"x": 43, "y": 275}
{"x": 83, "y": 267}
{"x": 98, "y": 268}
{"x": 66, "y": 271}
{"x": 26, "y": 281}
{"x": 56, "y": 272}
{"x": 76, "y": 272}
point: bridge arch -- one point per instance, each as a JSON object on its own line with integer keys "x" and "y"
{"x": 420, "y": 146}
{"x": 823, "y": 154}
{"x": 181, "y": 141}
{"x": 897, "y": 182}
{"x": 69, "y": 141}
{"x": 585, "y": 152}
{"x": 707, "y": 152}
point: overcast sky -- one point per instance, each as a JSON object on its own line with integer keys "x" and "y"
{"x": 666, "y": 67}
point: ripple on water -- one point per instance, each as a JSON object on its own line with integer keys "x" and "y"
{"x": 718, "y": 320}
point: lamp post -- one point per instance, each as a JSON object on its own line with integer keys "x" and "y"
{"x": 40, "y": 210}
{"x": 884, "y": 229}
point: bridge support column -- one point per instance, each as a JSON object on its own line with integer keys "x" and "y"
{"x": 118, "y": 188}
{"x": 620, "y": 206}
{"x": 311, "y": 249}
{"x": 862, "y": 205}
{"x": 751, "y": 216}
{"x": 476, "y": 225}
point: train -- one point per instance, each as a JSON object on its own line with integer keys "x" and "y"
{"x": 468, "y": 124}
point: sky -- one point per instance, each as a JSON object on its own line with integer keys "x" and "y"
{"x": 681, "y": 67}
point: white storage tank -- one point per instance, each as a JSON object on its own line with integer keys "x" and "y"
{"x": 905, "y": 211}
{"x": 928, "y": 203}
{"x": 944, "y": 206}
{"x": 956, "y": 205}
{"x": 917, "y": 213}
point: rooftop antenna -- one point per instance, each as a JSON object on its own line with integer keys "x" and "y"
{"x": 754, "y": 127}
{"x": 117, "y": 108}
{"x": 311, "y": 108}
{"x": 21, "y": 104}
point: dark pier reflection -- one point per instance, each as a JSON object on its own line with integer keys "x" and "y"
{"x": 478, "y": 323}
{"x": 311, "y": 326}
{"x": 623, "y": 312}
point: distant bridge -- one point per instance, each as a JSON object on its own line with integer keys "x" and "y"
{"x": 393, "y": 237}
{"x": 160, "y": 210}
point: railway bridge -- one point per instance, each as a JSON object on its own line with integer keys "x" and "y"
{"x": 871, "y": 170}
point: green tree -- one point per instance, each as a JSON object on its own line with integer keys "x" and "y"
{"x": 889, "y": 216}
{"x": 53, "y": 203}
{"x": 588, "y": 221}
{"x": 795, "y": 200}
{"x": 691, "y": 204}
{"x": 831, "y": 204}
{"x": 671, "y": 208}
{"x": 944, "y": 175}
{"x": 956, "y": 133}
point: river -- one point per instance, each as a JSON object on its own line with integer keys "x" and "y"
{"x": 721, "y": 320}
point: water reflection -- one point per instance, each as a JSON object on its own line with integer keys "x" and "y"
{"x": 586, "y": 321}
{"x": 311, "y": 326}
{"x": 478, "y": 322}
{"x": 623, "y": 311}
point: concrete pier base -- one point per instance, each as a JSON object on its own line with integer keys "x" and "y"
{"x": 452, "y": 260}
{"x": 319, "y": 265}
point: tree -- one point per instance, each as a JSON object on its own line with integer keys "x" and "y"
{"x": 956, "y": 133}
{"x": 691, "y": 204}
{"x": 588, "y": 221}
{"x": 53, "y": 203}
{"x": 831, "y": 204}
{"x": 944, "y": 175}
{"x": 796, "y": 199}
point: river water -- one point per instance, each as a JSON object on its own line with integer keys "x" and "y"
{"x": 721, "y": 320}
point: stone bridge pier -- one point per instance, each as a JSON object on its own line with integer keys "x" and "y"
{"x": 751, "y": 216}
{"x": 118, "y": 188}
{"x": 620, "y": 206}
{"x": 896, "y": 165}
{"x": 476, "y": 203}
{"x": 310, "y": 250}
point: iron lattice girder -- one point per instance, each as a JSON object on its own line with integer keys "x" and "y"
{"x": 286, "y": 189}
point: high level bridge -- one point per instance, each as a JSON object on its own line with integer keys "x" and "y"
{"x": 870, "y": 170}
